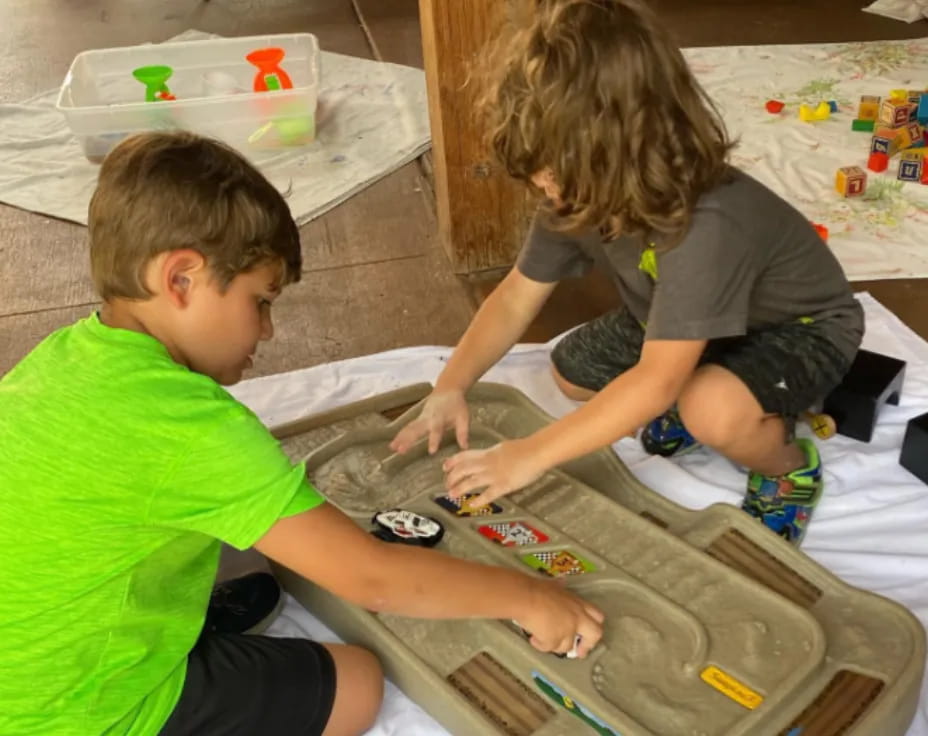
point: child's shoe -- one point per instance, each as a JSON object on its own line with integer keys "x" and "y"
{"x": 667, "y": 436}
{"x": 784, "y": 503}
{"x": 245, "y": 605}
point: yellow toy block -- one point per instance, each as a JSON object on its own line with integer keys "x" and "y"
{"x": 851, "y": 181}
{"x": 869, "y": 108}
{"x": 904, "y": 138}
{"x": 898, "y": 95}
{"x": 805, "y": 114}
{"x": 915, "y": 134}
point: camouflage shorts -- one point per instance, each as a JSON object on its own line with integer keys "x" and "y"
{"x": 788, "y": 368}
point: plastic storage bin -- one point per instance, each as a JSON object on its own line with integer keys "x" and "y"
{"x": 212, "y": 84}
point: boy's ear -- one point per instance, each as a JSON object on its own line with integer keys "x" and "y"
{"x": 181, "y": 272}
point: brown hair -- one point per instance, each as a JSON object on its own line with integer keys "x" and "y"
{"x": 597, "y": 92}
{"x": 166, "y": 191}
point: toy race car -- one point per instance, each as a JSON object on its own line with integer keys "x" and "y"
{"x": 407, "y": 527}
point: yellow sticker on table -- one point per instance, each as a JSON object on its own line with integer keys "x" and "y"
{"x": 728, "y": 685}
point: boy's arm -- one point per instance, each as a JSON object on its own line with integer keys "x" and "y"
{"x": 325, "y": 546}
{"x": 635, "y": 397}
{"x": 498, "y": 324}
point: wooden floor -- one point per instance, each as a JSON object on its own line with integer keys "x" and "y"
{"x": 375, "y": 277}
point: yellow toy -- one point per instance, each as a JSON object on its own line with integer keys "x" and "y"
{"x": 808, "y": 115}
{"x": 869, "y": 108}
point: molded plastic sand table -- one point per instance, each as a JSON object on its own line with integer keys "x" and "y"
{"x": 714, "y": 624}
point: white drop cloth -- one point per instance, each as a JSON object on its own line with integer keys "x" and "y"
{"x": 882, "y": 235}
{"x": 906, "y": 10}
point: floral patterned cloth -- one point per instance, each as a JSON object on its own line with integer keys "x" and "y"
{"x": 883, "y": 234}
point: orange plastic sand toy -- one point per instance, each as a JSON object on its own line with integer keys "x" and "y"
{"x": 270, "y": 76}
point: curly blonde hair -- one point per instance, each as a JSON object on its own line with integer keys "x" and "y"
{"x": 597, "y": 92}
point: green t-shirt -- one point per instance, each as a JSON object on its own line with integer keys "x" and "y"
{"x": 120, "y": 473}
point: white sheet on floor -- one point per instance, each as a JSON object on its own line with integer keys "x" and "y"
{"x": 871, "y": 527}
{"x": 905, "y": 10}
{"x": 372, "y": 119}
{"x": 882, "y": 235}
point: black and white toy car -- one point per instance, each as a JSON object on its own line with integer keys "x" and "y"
{"x": 408, "y": 527}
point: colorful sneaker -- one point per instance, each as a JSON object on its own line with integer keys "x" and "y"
{"x": 245, "y": 605}
{"x": 667, "y": 436}
{"x": 784, "y": 503}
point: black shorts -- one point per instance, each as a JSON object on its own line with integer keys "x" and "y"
{"x": 788, "y": 368}
{"x": 240, "y": 685}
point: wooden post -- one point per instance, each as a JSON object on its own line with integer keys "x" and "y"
{"x": 482, "y": 213}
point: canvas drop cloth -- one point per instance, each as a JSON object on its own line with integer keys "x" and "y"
{"x": 871, "y": 527}
{"x": 372, "y": 119}
{"x": 906, "y": 10}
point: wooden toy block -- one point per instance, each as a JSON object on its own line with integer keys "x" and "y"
{"x": 864, "y": 126}
{"x": 903, "y": 137}
{"x": 916, "y": 135}
{"x": 885, "y": 140}
{"x": 805, "y": 113}
{"x": 921, "y": 112}
{"x": 894, "y": 113}
{"x": 899, "y": 95}
{"x": 924, "y": 174}
{"x": 913, "y": 99}
{"x": 713, "y": 624}
{"x": 873, "y": 380}
{"x": 851, "y": 181}
{"x": 914, "y": 456}
{"x": 774, "y": 107}
{"x": 878, "y": 161}
{"x": 869, "y": 108}
{"x": 911, "y": 167}
{"x": 833, "y": 105}
{"x": 879, "y": 144}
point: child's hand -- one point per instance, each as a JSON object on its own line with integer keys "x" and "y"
{"x": 502, "y": 469}
{"x": 556, "y": 617}
{"x": 442, "y": 409}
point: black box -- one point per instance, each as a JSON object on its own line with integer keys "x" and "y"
{"x": 914, "y": 457}
{"x": 872, "y": 381}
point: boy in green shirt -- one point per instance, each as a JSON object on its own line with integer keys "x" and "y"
{"x": 126, "y": 464}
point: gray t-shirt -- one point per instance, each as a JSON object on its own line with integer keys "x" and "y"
{"x": 749, "y": 261}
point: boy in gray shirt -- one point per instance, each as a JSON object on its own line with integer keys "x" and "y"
{"x": 737, "y": 316}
